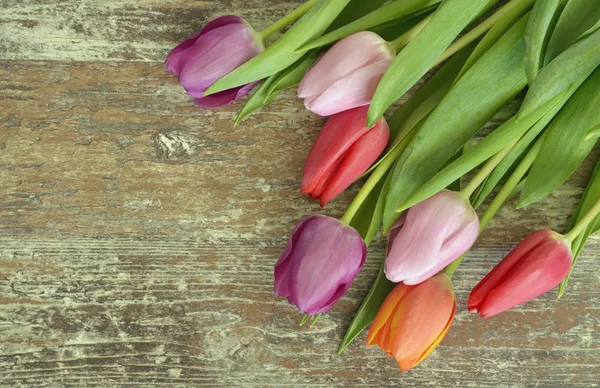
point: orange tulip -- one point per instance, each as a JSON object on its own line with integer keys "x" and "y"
{"x": 413, "y": 320}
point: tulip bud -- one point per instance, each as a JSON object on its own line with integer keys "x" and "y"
{"x": 320, "y": 261}
{"x": 347, "y": 75}
{"x": 429, "y": 236}
{"x": 221, "y": 46}
{"x": 538, "y": 264}
{"x": 344, "y": 150}
{"x": 413, "y": 320}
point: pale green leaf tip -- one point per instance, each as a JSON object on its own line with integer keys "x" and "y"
{"x": 561, "y": 291}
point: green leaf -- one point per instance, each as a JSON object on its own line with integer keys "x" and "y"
{"x": 580, "y": 59}
{"x": 367, "y": 219}
{"x": 590, "y": 197}
{"x": 511, "y": 131}
{"x": 541, "y": 23}
{"x": 399, "y": 9}
{"x": 499, "y": 28}
{"x": 380, "y": 288}
{"x": 577, "y": 17}
{"x": 292, "y": 76}
{"x": 427, "y": 97}
{"x": 410, "y": 115}
{"x": 276, "y": 83}
{"x": 282, "y": 53}
{"x": 421, "y": 53}
{"x": 462, "y": 112}
{"x": 565, "y": 146}
{"x": 394, "y": 29}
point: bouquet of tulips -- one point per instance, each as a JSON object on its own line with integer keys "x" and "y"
{"x": 352, "y": 60}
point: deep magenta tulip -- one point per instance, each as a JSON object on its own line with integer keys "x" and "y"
{"x": 538, "y": 264}
{"x": 220, "y": 47}
{"x": 429, "y": 236}
{"x": 347, "y": 75}
{"x": 344, "y": 150}
{"x": 318, "y": 264}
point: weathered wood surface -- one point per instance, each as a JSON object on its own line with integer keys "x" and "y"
{"x": 138, "y": 233}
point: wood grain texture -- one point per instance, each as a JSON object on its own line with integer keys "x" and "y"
{"x": 138, "y": 233}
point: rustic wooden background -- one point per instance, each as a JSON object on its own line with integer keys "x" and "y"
{"x": 138, "y": 233}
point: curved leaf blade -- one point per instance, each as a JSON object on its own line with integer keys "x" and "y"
{"x": 462, "y": 112}
{"x": 421, "y": 53}
{"x": 569, "y": 67}
{"x": 577, "y": 18}
{"x": 565, "y": 146}
{"x": 590, "y": 197}
{"x": 543, "y": 16}
{"x": 399, "y": 9}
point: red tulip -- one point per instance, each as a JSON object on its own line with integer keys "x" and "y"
{"x": 413, "y": 320}
{"x": 537, "y": 265}
{"x": 344, "y": 150}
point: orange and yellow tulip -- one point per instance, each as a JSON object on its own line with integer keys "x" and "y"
{"x": 413, "y": 320}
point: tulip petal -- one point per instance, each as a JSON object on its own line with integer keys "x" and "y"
{"x": 326, "y": 258}
{"x": 215, "y": 54}
{"x": 340, "y": 132}
{"x": 439, "y": 339}
{"x": 500, "y": 271}
{"x": 539, "y": 271}
{"x": 340, "y": 60}
{"x": 361, "y": 155}
{"x": 174, "y": 61}
{"x": 424, "y": 315}
{"x": 354, "y": 90}
{"x": 282, "y": 267}
{"x": 385, "y": 311}
{"x": 418, "y": 250}
{"x": 223, "y": 98}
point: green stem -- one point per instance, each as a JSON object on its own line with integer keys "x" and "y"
{"x": 287, "y": 19}
{"x": 479, "y": 30}
{"x": 450, "y": 268}
{"x": 304, "y": 319}
{"x": 583, "y": 223}
{"x": 315, "y": 319}
{"x": 485, "y": 171}
{"x": 507, "y": 190}
{"x": 384, "y": 165}
{"x": 401, "y": 41}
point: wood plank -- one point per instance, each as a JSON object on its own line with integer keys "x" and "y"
{"x": 138, "y": 236}
{"x": 117, "y": 30}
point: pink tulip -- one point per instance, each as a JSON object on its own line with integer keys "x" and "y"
{"x": 220, "y": 47}
{"x": 344, "y": 150}
{"x": 429, "y": 236}
{"x": 537, "y": 265}
{"x": 318, "y": 264}
{"x": 347, "y": 75}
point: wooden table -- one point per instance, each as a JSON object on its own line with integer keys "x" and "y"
{"x": 139, "y": 233}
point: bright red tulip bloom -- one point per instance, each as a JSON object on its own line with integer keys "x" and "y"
{"x": 429, "y": 236}
{"x": 537, "y": 265}
{"x": 220, "y": 47}
{"x": 319, "y": 263}
{"x": 347, "y": 75}
{"x": 413, "y": 320}
{"x": 344, "y": 150}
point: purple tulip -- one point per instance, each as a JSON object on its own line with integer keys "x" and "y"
{"x": 220, "y": 47}
{"x": 347, "y": 75}
{"x": 429, "y": 236}
{"x": 318, "y": 264}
